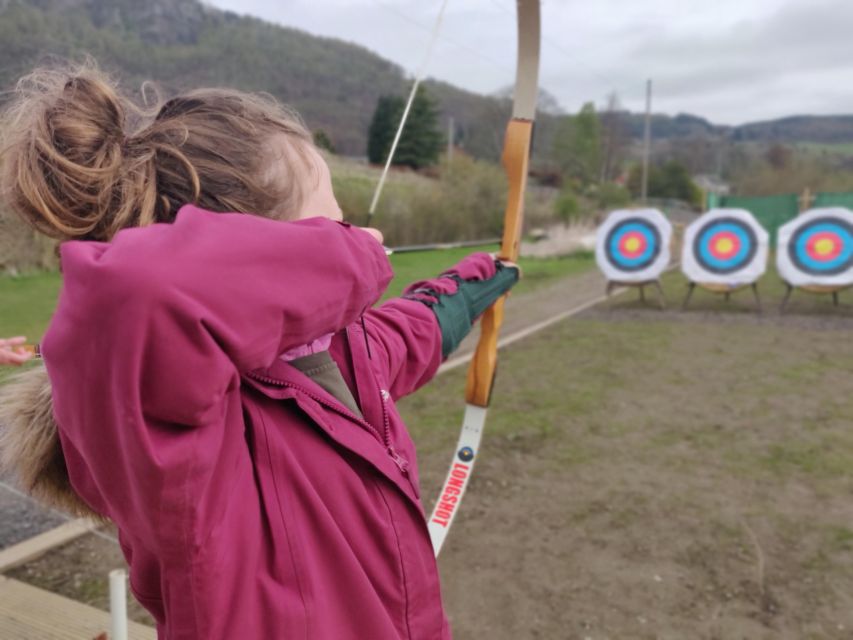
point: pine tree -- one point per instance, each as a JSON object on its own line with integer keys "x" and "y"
{"x": 421, "y": 141}
{"x": 383, "y": 125}
{"x": 322, "y": 141}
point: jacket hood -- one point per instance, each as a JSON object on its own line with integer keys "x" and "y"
{"x": 30, "y": 449}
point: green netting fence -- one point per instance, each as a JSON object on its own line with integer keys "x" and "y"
{"x": 824, "y": 199}
{"x": 774, "y": 211}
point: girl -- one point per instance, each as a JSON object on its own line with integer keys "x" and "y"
{"x": 222, "y": 389}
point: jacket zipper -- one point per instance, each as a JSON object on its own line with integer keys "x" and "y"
{"x": 384, "y": 439}
{"x": 399, "y": 460}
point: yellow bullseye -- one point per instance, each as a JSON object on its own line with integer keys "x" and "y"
{"x": 824, "y": 247}
{"x": 724, "y": 245}
{"x": 632, "y": 245}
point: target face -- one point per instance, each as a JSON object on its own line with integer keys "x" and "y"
{"x": 817, "y": 248}
{"x": 725, "y": 246}
{"x": 633, "y": 246}
{"x": 823, "y": 247}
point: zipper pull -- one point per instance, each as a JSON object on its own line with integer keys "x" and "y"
{"x": 399, "y": 460}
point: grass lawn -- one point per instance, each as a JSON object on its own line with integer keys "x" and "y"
{"x": 840, "y": 148}
{"x": 27, "y": 302}
{"x": 410, "y": 267}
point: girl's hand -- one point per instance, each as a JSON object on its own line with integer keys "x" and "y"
{"x": 508, "y": 263}
{"x": 376, "y": 233}
{"x": 12, "y": 353}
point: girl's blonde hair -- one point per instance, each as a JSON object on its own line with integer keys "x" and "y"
{"x": 80, "y": 161}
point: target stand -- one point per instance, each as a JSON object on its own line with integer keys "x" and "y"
{"x": 724, "y": 251}
{"x": 726, "y": 290}
{"x": 816, "y": 253}
{"x": 815, "y": 289}
{"x": 641, "y": 286}
{"x": 632, "y": 250}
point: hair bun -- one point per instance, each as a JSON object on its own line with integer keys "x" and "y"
{"x": 88, "y": 115}
{"x": 63, "y": 150}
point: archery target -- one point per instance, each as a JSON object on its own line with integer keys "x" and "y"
{"x": 816, "y": 248}
{"x": 724, "y": 246}
{"x": 633, "y": 245}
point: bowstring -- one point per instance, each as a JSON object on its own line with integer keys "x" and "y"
{"x": 419, "y": 76}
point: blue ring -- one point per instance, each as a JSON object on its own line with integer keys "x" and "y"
{"x": 743, "y": 232}
{"x": 645, "y": 259}
{"x": 800, "y": 257}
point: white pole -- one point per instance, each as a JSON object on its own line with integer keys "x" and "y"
{"x": 118, "y": 604}
{"x": 647, "y": 142}
{"x": 451, "y": 134}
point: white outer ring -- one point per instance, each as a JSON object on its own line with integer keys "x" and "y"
{"x": 788, "y": 270}
{"x": 654, "y": 270}
{"x": 753, "y": 270}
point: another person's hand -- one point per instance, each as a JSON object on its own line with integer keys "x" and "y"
{"x": 11, "y": 351}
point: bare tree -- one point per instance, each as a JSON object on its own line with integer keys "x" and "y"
{"x": 614, "y": 138}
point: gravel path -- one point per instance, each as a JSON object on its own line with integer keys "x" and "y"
{"x": 543, "y": 303}
{"x": 21, "y": 518}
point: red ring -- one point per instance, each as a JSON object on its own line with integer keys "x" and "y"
{"x": 723, "y": 235}
{"x": 837, "y": 246}
{"x": 623, "y": 249}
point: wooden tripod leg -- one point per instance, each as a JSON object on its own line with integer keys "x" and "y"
{"x": 690, "y": 287}
{"x": 661, "y": 296}
{"x": 786, "y": 298}
{"x": 757, "y": 297}
{"x": 642, "y": 293}
{"x": 835, "y": 298}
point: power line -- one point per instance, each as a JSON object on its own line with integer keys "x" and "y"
{"x": 461, "y": 45}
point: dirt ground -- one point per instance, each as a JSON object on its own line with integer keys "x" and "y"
{"x": 645, "y": 474}
{"x": 657, "y": 474}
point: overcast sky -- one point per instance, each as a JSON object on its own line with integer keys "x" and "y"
{"x": 731, "y": 61}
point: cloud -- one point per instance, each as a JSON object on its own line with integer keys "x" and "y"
{"x": 731, "y": 61}
{"x": 789, "y": 60}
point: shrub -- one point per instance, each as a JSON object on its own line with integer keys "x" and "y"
{"x": 612, "y": 196}
{"x": 566, "y": 206}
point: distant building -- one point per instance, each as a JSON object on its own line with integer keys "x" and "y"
{"x": 712, "y": 184}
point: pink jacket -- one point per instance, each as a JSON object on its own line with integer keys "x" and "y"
{"x": 250, "y": 503}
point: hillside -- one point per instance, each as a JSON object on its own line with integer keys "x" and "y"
{"x": 334, "y": 84}
{"x": 183, "y": 43}
{"x": 818, "y": 129}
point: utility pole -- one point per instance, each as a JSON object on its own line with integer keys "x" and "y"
{"x": 647, "y": 140}
{"x": 451, "y": 134}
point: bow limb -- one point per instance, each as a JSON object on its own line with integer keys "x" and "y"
{"x": 516, "y": 158}
{"x": 481, "y": 374}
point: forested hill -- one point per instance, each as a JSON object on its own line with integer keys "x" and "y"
{"x": 334, "y": 84}
{"x": 821, "y": 129}
{"x": 184, "y": 43}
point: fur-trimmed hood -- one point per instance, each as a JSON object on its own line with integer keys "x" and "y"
{"x": 30, "y": 449}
